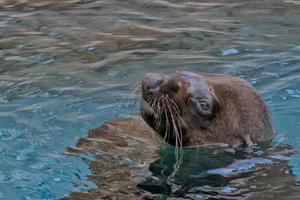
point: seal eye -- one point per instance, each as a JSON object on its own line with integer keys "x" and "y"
{"x": 201, "y": 106}
{"x": 204, "y": 106}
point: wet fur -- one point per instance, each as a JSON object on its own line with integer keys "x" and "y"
{"x": 239, "y": 115}
{"x": 242, "y": 113}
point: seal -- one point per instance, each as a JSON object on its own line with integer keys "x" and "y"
{"x": 189, "y": 108}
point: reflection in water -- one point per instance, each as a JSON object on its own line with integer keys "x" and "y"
{"x": 124, "y": 150}
{"x": 130, "y": 164}
{"x": 67, "y": 66}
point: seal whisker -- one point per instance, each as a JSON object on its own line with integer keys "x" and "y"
{"x": 155, "y": 105}
{"x": 179, "y": 118}
{"x": 154, "y": 102}
{"x": 159, "y": 108}
{"x": 186, "y": 126}
{"x": 137, "y": 87}
{"x": 136, "y": 90}
{"x": 175, "y": 105}
{"x": 177, "y": 136}
{"x": 135, "y": 95}
{"x": 167, "y": 135}
{"x": 136, "y": 99}
{"x": 159, "y": 114}
{"x": 178, "y": 140}
{"x": 172, "y": 121}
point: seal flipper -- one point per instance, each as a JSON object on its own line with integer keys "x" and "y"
{"x": 247, "y": 140}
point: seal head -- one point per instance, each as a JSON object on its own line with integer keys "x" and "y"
{"x": 188, "y": 108}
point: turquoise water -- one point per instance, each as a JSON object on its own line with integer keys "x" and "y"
{"x": 66, "y": 67}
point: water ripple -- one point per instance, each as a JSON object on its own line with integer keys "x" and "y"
{"x": 68, "y": 66}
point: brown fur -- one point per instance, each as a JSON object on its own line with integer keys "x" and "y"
{"x": 239, "y": 114}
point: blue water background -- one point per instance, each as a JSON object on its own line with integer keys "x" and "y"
{"x": 66, "y": 67}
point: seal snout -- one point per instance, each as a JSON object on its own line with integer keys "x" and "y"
{"x": 152, "y": 81}
{"x": 159, "y": 84}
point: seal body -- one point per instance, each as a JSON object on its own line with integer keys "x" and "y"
{"x": 188, "y": 108}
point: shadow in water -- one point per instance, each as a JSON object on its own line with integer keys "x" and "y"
{"x": 130, "y": 163}
{"x": 221, "y": 172}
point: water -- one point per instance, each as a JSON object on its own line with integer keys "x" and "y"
{"x": 66, "y": 67}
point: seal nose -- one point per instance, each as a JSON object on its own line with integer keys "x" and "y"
{"x": 152, "y": 81}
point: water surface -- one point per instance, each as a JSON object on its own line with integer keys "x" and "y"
{"x": 66, "y": 67}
